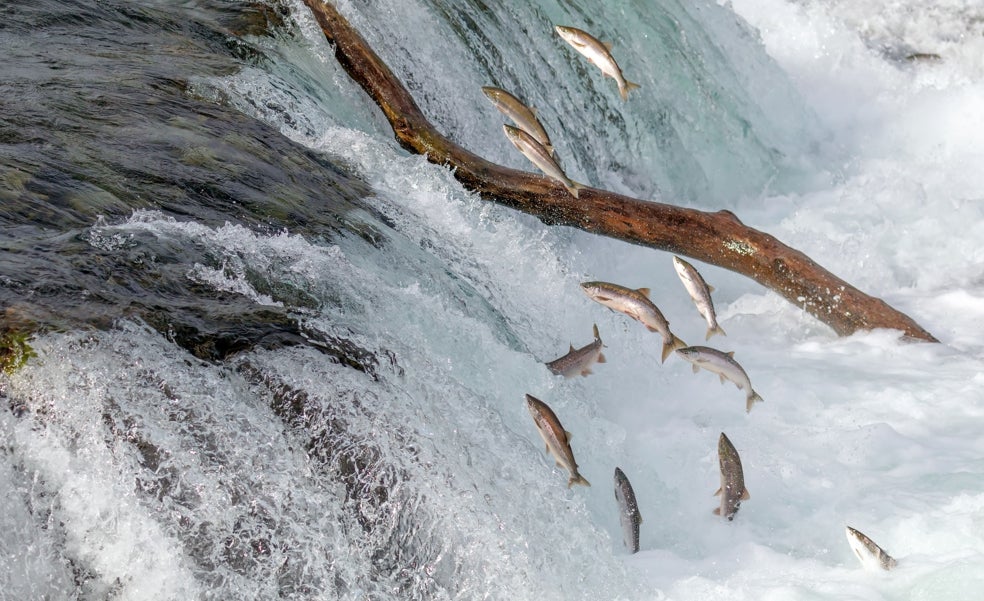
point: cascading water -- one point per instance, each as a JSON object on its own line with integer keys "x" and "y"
{"x": 279, "y": 357}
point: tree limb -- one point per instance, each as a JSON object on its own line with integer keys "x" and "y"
{"x": 718, "y": 238}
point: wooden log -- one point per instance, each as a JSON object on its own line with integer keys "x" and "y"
{"x": 718, "y": 238}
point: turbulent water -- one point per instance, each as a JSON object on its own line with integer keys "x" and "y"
{"x": 275, "y": 356}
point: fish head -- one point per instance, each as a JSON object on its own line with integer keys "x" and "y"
{"x": 593, "y": 289}
{"x": 725, "y": 448}
{"x": 690, "y": 353}
{"x": 492, "y": 93}
{"x": 568, "y": 33}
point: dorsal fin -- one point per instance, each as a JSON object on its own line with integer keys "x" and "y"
{"x": 572, "y": 347}
{"x": 607, "y": 45}
{"x": 643, "y": 291}
{"x": 745, "y": 496}
{"x": 568, "y": 435}
{"x": 596, "y": 334}
{"x": 730, "y": 354}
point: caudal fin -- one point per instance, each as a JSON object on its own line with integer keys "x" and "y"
{"x": 573, "y": 188}
{"x": 577, "y": 479}
{"x": 751, "y": 400}
{"x": 715, "y": 330}
{"x": 624, "y": 90}
{"x": 671, "y": 345}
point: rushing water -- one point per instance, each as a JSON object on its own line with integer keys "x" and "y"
{"x": 278, "y": 357}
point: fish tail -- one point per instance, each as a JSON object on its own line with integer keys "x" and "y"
{"x": 624, "y": 90}
{"x": 752, "y": 399}
{"x": 577, "y": 479}
{"x": 671, "y": 345}
{"x": 573, "y": 188}
{"x": 715, "y": 330}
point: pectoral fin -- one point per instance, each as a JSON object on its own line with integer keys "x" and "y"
{"x": 717, "y": 492}
{"x": 643, "y": 291}
{"x": 717, "y": 511}
{"x": 601, "y": 358}
{"x": 745, "y": 496}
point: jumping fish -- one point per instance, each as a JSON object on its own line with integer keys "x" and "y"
{"x": 579, "y": 361}
{"x": 557, "y": 440}
{"x": 598, "y": 54}
{"x": 540, "y": 157}
{"x": 628, "y": 511}
{"x": 700, "y": 292}
{"x": 732, "y": 490}
{"x": 635, "y": 304}
{"x": 871, "y": 555}
{"x": 725, "y": 366}
{"x": 523, "y": 116}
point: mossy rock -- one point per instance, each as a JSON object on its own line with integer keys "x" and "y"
{"x": 14, "y": 350}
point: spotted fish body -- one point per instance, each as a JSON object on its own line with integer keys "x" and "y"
{"x": 725, "y": 366}
{"x": 523, "y": 116}
{"x": 871, "y": 555}
{"x": 628, "y": 511}
{"x": 540, "y": 156}
{"x": 700, "y": 293}
{"x": 579, "y": 361}
{"x": 635, "y": 304}
{"x": 557, "y": 440}
{"x": 732, "y": 490}
{"x": 598, "y": 54}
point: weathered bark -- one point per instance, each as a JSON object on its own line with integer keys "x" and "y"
{"x": 717, "y": 238}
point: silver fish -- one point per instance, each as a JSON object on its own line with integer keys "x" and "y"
{"x": 579, "y": 361}
{"x": 539, "y": 156}
{"x": 732, "y": 490}
{"x": 556, "y": 438}
{"x": 725, "y": 366}
{"x": 598, "y": 54}
{"x": 700, "y": 292}
{"x": 628, "y": 511}
{"x": 635, "y": 304}
{"x": 871, "y": 555}
{"x": 523, "y": 116}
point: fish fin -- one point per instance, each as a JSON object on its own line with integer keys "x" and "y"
{"x": 607, "y": 45}
{"x": 569, "y": 436}
{"x": 717, "y": 511}
{"x": 574, "y": 187}
{"x": 572, "y": 348}
{"x": 586, "y": 371}
{"x": 624, "y": 90}
{"x": 696, "y": 369}
{"x": 752, "y": 399}
{"x": 730, "y": 354}
{"x": 710, "y": 288}
{"x": 558, "y": 464}
{"x": 645, "y": 291}
{"x": 577, "y": 479}
{"x": 546, "y": 448}
{"x": 596, "y": 334}
{"x": 713, "y": 331}
{"x": 535, "y": 111}
{"x": 722, "y": 378}
{"x": 717, "y": 492}
{"x": 671, "y": 345}
{"x": 601, "y": 358}
{"x": 745, "y": 496}
{"x": 550, "y": 150}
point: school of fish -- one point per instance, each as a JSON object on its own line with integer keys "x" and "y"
{"x": 530, "y": 137}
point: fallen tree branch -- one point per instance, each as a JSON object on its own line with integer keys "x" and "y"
{"x": 717, "y": 238}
